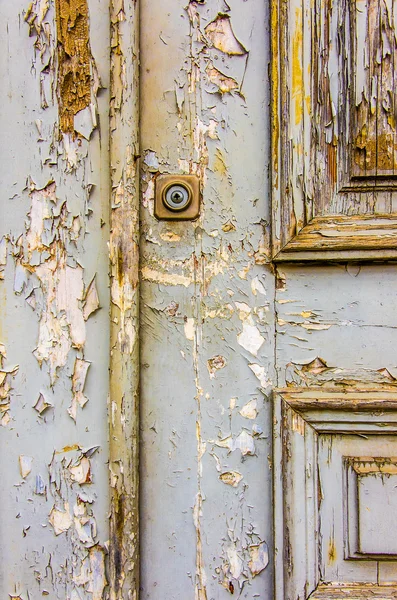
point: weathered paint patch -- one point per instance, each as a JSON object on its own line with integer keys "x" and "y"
{"x": 223, "y": 83}
{"x": 259, "y": 558}
{"x": 74, "y": 60}
{"x": 196, "y": 128}
{"x": 232, "y": 478}
{"x": 43, "y": 256}
{"x": 249, "y": 410}
{"x": 7, "y": 374}
{"x": 221, "y": 35}
{"x": 25, "y": 465}
{"x": 41, "y": 404}
{"x": 78, "y": 382}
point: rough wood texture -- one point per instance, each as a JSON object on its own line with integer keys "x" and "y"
{"x": 124, "y": 275}
{"x": 74, "y": 60}
{"x": 334, "y": 137}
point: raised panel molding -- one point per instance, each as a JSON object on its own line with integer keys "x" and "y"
{"x": 334, "y": 130}
{"x": 335, "y": 494}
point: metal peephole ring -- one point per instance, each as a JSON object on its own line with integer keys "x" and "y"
{"x": 177, "y": 196}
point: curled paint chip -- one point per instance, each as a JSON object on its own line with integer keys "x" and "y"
{"x": 78, "y": 382}
{"x": 91, "y": 299}
{"x": 225, "y": 84}
{"x": 81, "y": 472}
{"x": 41, "y": 404}
{"x": 222, "y": 37}
{"x": 260, "y": 373}
{"x": 40, "y": 487}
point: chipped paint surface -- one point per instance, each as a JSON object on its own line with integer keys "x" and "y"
{"x": 123, "y": 406}
{"x": 207, "y": 325}
{"x": 190, "y": 316}
{"x": 334, "y": 129}
{"x": 53, "y": 271}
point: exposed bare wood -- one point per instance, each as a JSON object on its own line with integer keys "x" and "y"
{"x": 124, "y": 264}
{"x": 337, "y": 137}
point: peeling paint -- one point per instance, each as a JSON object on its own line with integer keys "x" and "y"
{"x": 215, "y": 364}
{"x": 74, "y": 59}
{"x": 232, "y": 478}
{"x": 249, "y": 410}
{"x": 25, "y": 465}
{"x": 259, "y": 558}
{"x": 41, "y": 404}
{"x": 78, "y": 382}
{"x": 225, "y": 84}
{"x": 221, "y": 35}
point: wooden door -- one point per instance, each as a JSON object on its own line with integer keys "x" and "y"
{"x": 207, "y": 318}
{"x": 263, "y": 353}
{"x": 275, "y": 306}
{"x": 334, "y": 199}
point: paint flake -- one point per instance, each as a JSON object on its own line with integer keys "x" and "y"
{"x": 250, "y": 338}
{"x": 81, "y": 472}
{"x": 189, "y": 328}
{"x": 221, "y": 35}
{"x": 60, "y": 519}
{"x": 78, "y": 382}
{"x": 260, "y": 373}
{"x": 216, "y": 363}
{"x": 259, "y": 558}
{"x": 91, "y": 299}
{"x": 235, "y": 562}
{"x": 25, "y": 465}
{"x": 40, "y": 487}
{"x": 249, "y": 410}
{"x": 41, "y": 404}
{"x": 257, "y": 287}
{"x": 165, "y": 278}
{"x": 231, "y": 478}
{"x": 225, "y": 84}
{"x": 83, "y": 122}
{"x": 98, "y": 578}
{"x": 243, "y": 442}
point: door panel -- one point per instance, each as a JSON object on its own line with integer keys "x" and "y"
{"x": 206, "y": 306}
{"x": 335, "y": 472}
{"x": 334, "y": 133}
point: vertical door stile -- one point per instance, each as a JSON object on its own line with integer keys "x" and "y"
{"x": 123, "y": 409}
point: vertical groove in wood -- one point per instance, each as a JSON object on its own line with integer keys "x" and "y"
{"x": 124, "y": 273}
